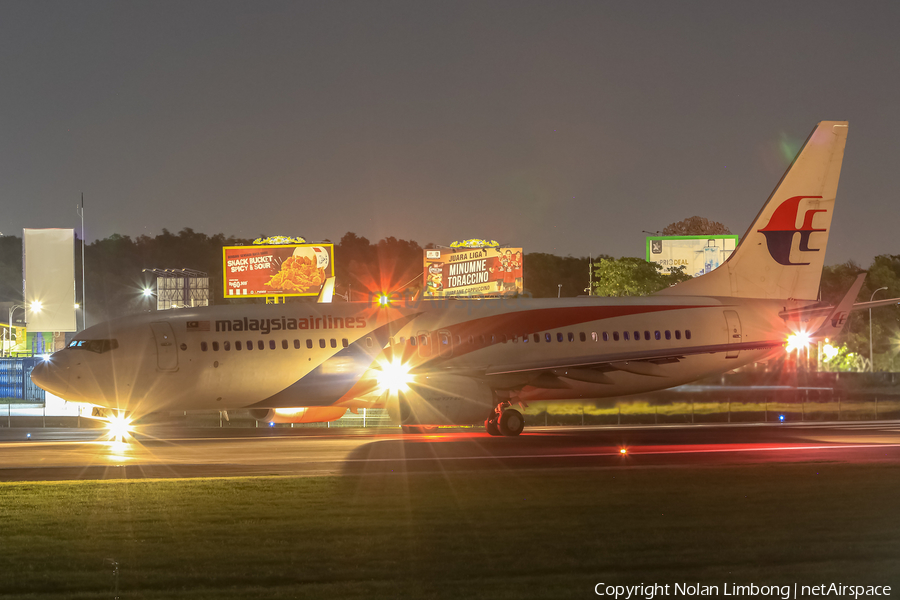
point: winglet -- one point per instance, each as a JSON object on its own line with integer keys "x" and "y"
{"x": 834, "y": 324}
{"x": 327, "y": 291}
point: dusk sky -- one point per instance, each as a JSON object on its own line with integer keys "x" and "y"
{"x": 563, "y": 127}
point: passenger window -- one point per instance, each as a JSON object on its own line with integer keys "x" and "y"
{"x": 333, "y": 343}
{"x": 296, "y": 344}
{"x": 261, "y": 345}
{"x": 402, "y": 340}
{"x": 344, "y": 342}
{"x": 559, "y": 337}
{"x": 368, "y": 342}
{"x": 284, "y": 344}
{"x": 547, "y": 338}
{"x": 647, "y": 335}
{"x": 637, "y": 336}
{"x": 605, "y": 337}
{"x": 503, "y": 338}
{"x": 237, "y": 345}
{"x": 203, "y": 346}
{"x": 227, "y": 346}
{"x": 412, "y": 341}
{"x": 481, "y": 339}
{"x": 616, "y": 336}
{"x": 594, "y": 336}
{"x": 515, "y": 339}
{"x": 215, "y": 346}
{"x": 668, "y": 334}
{"x": 471, "y": 339}
{"x": 657, "y": 335}
{"x": 537, "y": 338}
{"x": 423, "y": 340}
{"x": 524, "y": 339}
{"x": 677, "y": 334}
{"x": 309, "y": 344}
{"x": 249, "y": 345}
{"x": 321, "y": 343}
{"x": 625, "y": 335}
{"x": 582, "y": 337}
{"x": 271, "y": 344}
{"x": 458, "y": 340}
{"x": 687, "y": 334}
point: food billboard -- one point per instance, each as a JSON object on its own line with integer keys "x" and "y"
{"x": 473, "y": 272}
{"x": 276, "y": 270}
{"x": 698, "y": 254}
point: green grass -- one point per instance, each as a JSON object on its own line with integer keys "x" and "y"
{"x": 460, "y": 535}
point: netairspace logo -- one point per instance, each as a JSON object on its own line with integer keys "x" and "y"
{"x": 785, "y": 592}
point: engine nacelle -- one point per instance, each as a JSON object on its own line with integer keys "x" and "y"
{"x": 309, "y": 414}
{"x": 442, "y": 400}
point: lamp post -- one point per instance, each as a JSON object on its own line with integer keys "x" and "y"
{"x": 872, "y": 356}
{"x": 12, "y": 309}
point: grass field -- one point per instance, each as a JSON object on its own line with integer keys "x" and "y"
{"x": 462, "y": 535}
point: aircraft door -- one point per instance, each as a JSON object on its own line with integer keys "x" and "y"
{"x": 733, "y": 321}
{"x": 424, "y": 344}
{"x": 445, "y": 343}
{"x": 166, "y": 350}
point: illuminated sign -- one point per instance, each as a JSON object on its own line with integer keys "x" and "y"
{"x": 473, "y": 272}
{"x": 698, "y": 254}
{"x": 288, "y": 270}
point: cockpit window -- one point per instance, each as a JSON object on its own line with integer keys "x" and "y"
{"x": 98, "y": 346}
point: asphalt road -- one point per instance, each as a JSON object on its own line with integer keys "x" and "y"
{"x": 167, "y": 452}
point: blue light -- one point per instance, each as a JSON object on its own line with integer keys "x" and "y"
{"x": 271, "y": 423}
{"x": 27, "y": 436}
{"x": 781, "y": 417}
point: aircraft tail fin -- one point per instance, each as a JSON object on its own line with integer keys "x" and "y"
{"x": 782, "y": 254}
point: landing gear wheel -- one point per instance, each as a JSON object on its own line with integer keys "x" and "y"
{"x": 511, "y": 422}
{"x": 490, "y": 425}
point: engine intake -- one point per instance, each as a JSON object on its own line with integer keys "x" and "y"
{"x": 442, "y": 400}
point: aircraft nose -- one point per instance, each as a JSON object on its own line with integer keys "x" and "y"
{"x": 51, "y": 376}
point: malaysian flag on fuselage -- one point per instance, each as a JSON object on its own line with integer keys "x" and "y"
{"x": 198, "y": 325}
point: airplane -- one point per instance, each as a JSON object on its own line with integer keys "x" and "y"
{"x": 460, "y": 362}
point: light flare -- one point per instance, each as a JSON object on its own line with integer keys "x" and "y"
{"x": 119, "y": 427}
{"x": 797, "y": 340}
{"x": 393, "y": 377}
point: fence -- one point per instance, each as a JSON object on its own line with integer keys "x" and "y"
{"x": 15, "y": 380}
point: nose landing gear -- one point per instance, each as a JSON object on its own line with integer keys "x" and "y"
{"x": 505, "y": 421}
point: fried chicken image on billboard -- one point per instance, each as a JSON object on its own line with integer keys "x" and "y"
{"x": 298, "y": 274}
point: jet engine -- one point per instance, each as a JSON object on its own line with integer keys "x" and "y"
{"x": 309, "y": 414}
{"x": 442, "y": 400}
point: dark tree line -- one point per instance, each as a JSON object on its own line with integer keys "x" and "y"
{"x": 114, "y": 277}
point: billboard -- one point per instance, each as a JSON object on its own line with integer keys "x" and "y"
{"x": 473, "y": 272}
{"x": 282, "y": 270}
{"x": 698, "y": 254}
{"x": 49, "y": 257}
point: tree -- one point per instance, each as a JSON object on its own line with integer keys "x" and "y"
{"x": 696, "y": 226}
{"x": 632, "y": 277}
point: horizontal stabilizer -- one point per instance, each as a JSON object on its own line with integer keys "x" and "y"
{"x": 835, "y": 323}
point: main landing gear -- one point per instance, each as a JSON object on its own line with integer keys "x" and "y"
{"x": 505, "y": 421}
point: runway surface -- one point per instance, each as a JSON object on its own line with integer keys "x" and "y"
{"x": 160, "y": 452}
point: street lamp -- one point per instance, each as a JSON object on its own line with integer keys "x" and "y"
{"x": 872, "y": 356}
{"x": 12, "y": 309}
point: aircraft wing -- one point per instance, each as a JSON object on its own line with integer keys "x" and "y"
{"x": 641, "y": 362}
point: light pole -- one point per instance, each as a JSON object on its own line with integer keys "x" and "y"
{"x": 871, "y": 356}
{"x": 12, "y": 309}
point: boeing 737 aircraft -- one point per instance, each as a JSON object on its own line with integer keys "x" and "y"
{"x": 442, "y": 362}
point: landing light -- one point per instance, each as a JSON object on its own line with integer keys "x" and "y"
{"x": 148, "y": 292}
{"x": 36, "y": 306}
{"x": 393, "y": 377}
{"x": 384, "y": 300}
{"x": 119, "y": 427}
{"x": 623, "y": 451}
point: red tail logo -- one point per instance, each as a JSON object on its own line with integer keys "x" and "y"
{"x": 782, "y": 227}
